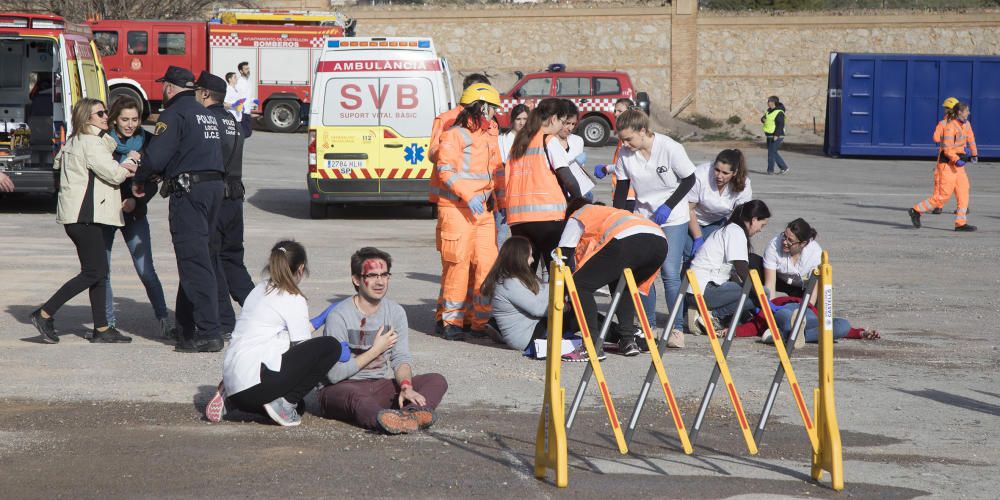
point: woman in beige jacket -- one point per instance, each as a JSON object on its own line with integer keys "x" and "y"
{"x": 90, "y": 206}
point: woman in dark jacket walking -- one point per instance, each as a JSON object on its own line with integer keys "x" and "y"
{"x": 774, "y": 130}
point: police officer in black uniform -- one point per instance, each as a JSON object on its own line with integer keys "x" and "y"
{"x": 186, "y": 151}
{"x": 227, "y": 240}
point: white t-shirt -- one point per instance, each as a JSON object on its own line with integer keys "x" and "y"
{"x": 559, "y": 158}
{"x": 655, "y": 179}
{"x": 245, "y": 90}
{"x": 712, "y": 204}
{"x": 267, "y": 326}
{"x": 713, "y": 263}
{"x": 506, "y": 141}
{"x": 232, "y": 95}
{"x": 775, "y": 258}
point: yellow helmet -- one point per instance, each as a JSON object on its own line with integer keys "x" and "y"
{"x": 480, "y": 92}
{"x": 950, "y": 102}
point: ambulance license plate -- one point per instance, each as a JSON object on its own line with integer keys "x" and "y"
{"x": 345, "y": 166}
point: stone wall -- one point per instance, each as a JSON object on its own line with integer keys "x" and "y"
{"x": 742, "y": 60}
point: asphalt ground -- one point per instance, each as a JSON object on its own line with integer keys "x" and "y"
{"x": 917, "y": 409}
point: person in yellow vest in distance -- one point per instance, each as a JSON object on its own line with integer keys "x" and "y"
{"x": 533, "y": 190}
{"x": 774, "y": 130}
{"x": 600, "y": 171}
{"x": 938, "y": 133}
{"x": 958, "y": 147}
{"x": 442, "y": 123}
{"x": 599, "y": 243}
{"x": 468, "y": 159}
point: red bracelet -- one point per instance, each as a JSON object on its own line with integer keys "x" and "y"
{"x": 405, "y": 383}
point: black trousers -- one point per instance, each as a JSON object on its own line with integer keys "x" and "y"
{"x": 231, "y": 275}
{"x": 193, "y": 217}
{"x": 643, "y": 253}
{"x": 91, "y": 240}
{"x": 544, "y": 237}
{"x": 302, "y": 367}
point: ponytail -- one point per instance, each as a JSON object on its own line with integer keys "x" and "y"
{"x": 744, "y": 214}
{"x": 802, "y": 230}
{"x": 286, "y": 258}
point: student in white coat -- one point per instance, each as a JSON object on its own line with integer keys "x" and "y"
{"x": 659, "y": 170}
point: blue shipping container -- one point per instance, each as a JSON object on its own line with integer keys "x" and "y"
{"x": 889, "y": 104}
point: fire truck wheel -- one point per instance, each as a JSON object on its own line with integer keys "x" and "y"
{"x": 131, "y": 94}
{"x": 595, "y": 131}
{"x": 282, "y": 115}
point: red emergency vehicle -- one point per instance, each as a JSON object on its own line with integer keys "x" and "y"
{"x": 282, "y": 56}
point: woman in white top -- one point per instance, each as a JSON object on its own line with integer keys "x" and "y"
{"x": 723, "y": 263}
{"x": 518, "y": 117}
{"x": 273, "y": 361}
{"x": 660, "y": 172}
{"x": 565, "y": 149}
{"x": 719, "y": 187}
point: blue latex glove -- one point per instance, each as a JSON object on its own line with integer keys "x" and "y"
{"x": 774, "y": 307}
{"x": 477, "y": 204}
{"x": 959, "y": 163}
{"x": 345, "y": 352}
{"x": 320, "y": 320}
{"x": 698, "y": 242}
{"x": 975, "y": 159}
{"x": 600, "y": 171}
{"x": 662, "y": 214}
{"x": 581, "y": 158}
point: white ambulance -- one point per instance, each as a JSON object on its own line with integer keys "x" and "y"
{"x": 374, "y": 102}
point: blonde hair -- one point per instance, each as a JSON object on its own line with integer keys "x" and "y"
{"x": 286, "y": 258}
{"x": 81, "y": 115}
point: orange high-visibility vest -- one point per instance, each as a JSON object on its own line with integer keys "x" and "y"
{"x": 954, "y": 139}
{"x": 467, "y": 162}
{"x": 600, "y": 225}
{"x": 532, "y": 192}
{"x": 442, "y": 122}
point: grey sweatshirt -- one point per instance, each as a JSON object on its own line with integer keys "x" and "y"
{"x": 347, "y": 324}
{"x": 517, "y": 311}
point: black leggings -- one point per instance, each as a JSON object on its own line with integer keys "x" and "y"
{"x": 544, "y": 237}
{"x": 91, "y": 244}
{"x": 302, "y": 367}
{"x": 643, "y": 253}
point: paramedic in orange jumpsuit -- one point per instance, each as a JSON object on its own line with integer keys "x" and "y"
{"x": 938, "y": 133}
{"x": 468, "y": 159}
{"x": 952, "y": 158}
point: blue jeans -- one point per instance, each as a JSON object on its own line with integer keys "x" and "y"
{"x": 773, "y": 156}
{"x": 722, "y": 300}
{"x": 670, "y": 273}
{"x": 783, "y": 319}
{"x": 503, "y": 230}
{"x": 136, "y": 234}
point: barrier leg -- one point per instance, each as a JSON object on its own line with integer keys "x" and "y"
{"x": 654, "y": 352}
{"x": 829, "y": 455}
{"x": 550, "y": 440}
{"x": 647, "y": 384}
{"x": 720, "y": 359}
{"x": 609, "y": 404}
{"x": 713, "y": 379}
{"x": 589, "y": 370}
{"x": 779, "y": 373}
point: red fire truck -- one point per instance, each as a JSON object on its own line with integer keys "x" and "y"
{"x": 282, "y": 48}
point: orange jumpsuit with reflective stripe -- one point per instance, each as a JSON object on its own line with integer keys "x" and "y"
{"x": 938, "y": 134}
{"x": 532, "y": 192}
{"x": 955, "y": 138}
{"x": 467, "y": 162}
{"x": 600, "y": 225}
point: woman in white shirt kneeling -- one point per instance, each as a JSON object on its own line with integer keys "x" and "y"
{"x": 723, "y": 263}
{"x": 719, "y": 187}
{"x": 273, "y": 361}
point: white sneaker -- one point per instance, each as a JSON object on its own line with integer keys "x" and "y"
{"x": 767, "y": 338}
{"x": 675, "y": 339}
{"x": 283, "y": 412}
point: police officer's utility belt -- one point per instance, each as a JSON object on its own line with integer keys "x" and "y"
{"x": 184, "y": 182}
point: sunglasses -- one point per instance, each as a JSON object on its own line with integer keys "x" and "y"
{"x": 100, "y": 113}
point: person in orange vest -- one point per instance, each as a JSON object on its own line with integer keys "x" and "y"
{"x": 600, "y": 171}
{"x": 468, "y": 159}
{"x": 533, "y": 189}
{"x": 952, "y": 157}
{"x": 599, "y": 243}
{"x": 938, "y": 133}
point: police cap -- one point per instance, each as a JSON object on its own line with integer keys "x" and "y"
{"x": 211, "y": 82}
{"x": 182, "y": 77}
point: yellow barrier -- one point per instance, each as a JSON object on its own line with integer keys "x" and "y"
{"x": 550, "y": 440}
{"x": 829, "y": 454}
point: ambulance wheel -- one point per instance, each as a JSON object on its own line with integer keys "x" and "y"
{"x": 282, "y": 115}
{"x": 131, "y": 94}
{"x": 595, "y": 131}
{"x": 317, "y": 210}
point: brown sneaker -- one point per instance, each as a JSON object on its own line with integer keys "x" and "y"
{"x": 424, "y": 416}
{"x": 395, "y": 422}
{"x": 675, "y": 340}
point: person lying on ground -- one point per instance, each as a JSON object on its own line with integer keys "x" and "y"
{"x": 377, "y": 333}
{"x": 784, "y": 310}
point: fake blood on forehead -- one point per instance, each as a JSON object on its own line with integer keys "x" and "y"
{"x": 372, "y": 266}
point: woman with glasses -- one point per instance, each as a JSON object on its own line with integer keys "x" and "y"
{"x": 89, "y": 208}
